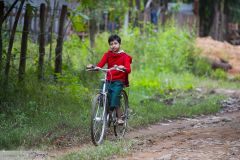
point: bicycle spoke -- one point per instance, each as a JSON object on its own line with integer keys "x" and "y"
{"x": 121, "y": 129}
{"x": 98, "y": 121}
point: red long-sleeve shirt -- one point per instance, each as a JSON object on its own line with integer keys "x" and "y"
{"x": 116, "y": 59}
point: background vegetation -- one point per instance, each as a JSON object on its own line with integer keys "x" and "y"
{"x": 162, "y": 80}
{"x": 55, "y": 111}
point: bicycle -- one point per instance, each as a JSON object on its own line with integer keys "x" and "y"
{"x": 100, "y": 118}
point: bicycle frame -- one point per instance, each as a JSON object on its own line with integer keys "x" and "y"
{"x": 104, "y": 117}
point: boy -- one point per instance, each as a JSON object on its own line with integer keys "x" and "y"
{"x": 117, "y": 79}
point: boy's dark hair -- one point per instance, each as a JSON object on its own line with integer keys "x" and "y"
{"x": 114, "y": 37}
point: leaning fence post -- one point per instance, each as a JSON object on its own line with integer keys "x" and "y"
{"x": 58, "y": 50}
{"x": 11, "y": 40}
{"x": 41, "y": 42}
{"x": 23, "y": 55}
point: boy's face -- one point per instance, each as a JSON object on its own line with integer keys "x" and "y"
{"x": 114, "y": 46}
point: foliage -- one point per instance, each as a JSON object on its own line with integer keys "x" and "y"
{"x": 219, "y": 74}
{"x": 163, "y": 51}
{"x": 90, "y": 9}
{"x": 201, "y": 67}
{"x": 234, "y": 11}
{"x": 79, "y": 21}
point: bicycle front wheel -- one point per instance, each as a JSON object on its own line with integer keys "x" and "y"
{"x": 120, "y": 130}
{"x": 98, "y": 119}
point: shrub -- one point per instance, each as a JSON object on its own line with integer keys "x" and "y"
{"x": 219, "y": 74}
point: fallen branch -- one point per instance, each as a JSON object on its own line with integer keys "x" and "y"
{"x": 222, "y": 64}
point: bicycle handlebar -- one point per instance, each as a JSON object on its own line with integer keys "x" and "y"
{"x": 115, "y": 67}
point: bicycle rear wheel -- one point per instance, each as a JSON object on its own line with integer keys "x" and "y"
{"x": 120, "y": 130}
{"x": 98, "y": 119}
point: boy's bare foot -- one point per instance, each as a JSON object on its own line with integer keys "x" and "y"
{"x": 120, "y": 121}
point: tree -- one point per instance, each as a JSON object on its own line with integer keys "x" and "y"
{"x": 58, "y": 50}
{"x": 215, "y": 15}
{"x": 147, "y": 11}
{"x": 164, "y": 7}
{"x": 232, "y": 10}
{"x": 95, "y": 9}
{"x": 1, "y": 20}
{"x": 218, "y": 28}
{"x": 41, "y": 42}
{"x": 10, "y": 45}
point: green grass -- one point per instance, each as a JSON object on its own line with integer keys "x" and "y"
{"x": 108, "y": 149}
{"x": 43, "y": 114}
{"x": 158, "y": 108}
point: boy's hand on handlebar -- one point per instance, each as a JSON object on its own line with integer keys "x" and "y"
{"x": 90, "y": 66}
{"x": 122, "y": 67}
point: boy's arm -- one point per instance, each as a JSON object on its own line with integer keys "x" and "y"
{"x": 103, "y": 61}
{"x": 127, "y": 64}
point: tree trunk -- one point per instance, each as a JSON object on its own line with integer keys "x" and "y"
{"x": 223, "y": 26}
{"x": 214, "y": 28}
{"x": 58, "y": 50}
{"x": 218, "y": 28}
{"x": 164, "y": 8}
{"x": 105, "y": 21}
{"x": 10, "y": 45}
{"x": 23, "y": 55}
{"x": 196, "y": 7}
{"x": 51, "y": 31}
{"x": 1, "y": 22}
{"x": 204, "y": 23}
{"x": 126, "y": 18}
{"x": 41, "y": 42}
{"x": 136, "y": 20}
{"x": 92, "y": 31}
{"x": 147, "y": 11}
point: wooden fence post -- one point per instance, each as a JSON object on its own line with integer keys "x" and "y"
{"x": 41, "y": 42}
{"x": 92, "y": 31}
{"x": 51, "y": 29}
{"x": 1, "y": 23}
{"x": 58, "y": 50}
{"x": 23, "y": 55}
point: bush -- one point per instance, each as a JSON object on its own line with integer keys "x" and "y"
{"x": 219, "y": 74}
{"x": 201, "y": 67}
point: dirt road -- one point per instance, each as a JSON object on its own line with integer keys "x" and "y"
{"x": 214, "y": 137}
